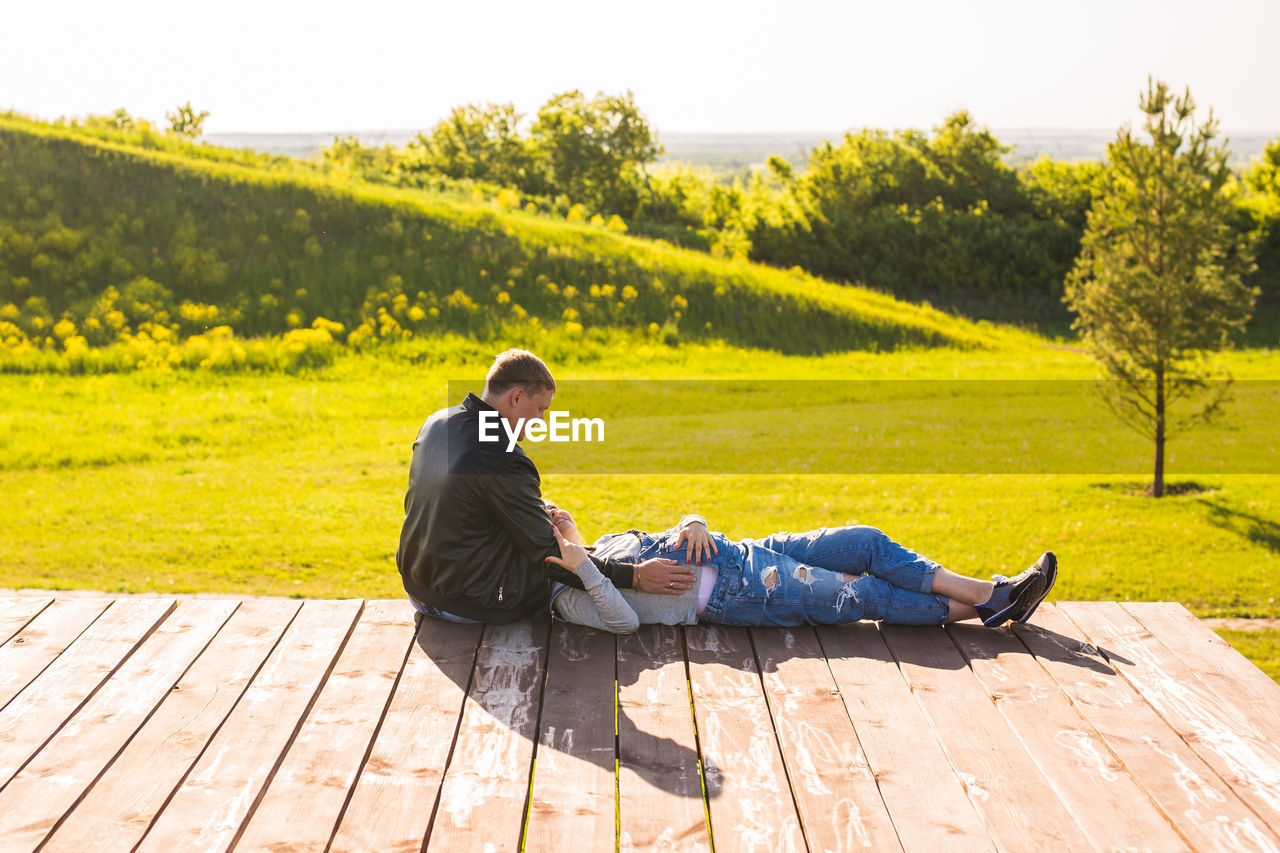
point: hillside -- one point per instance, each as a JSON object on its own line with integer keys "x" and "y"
{"x": 103, "y": 240}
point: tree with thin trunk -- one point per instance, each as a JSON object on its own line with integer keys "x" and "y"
{"x": 1158, "y": 282}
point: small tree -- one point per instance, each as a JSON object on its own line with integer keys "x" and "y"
{"x": 186, "y": 122}
{"x": 480, "y": 142}
{"x": 1157, "y": 283}
{"x": 591, "y": 148}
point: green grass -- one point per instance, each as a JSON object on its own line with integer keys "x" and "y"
{"x": 278, "y": 484}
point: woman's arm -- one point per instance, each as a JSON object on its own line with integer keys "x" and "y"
{"x": 600, "y": 605}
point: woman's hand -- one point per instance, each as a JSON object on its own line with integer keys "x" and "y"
{"x": 699, "y": 541}
{"x": 572, "y": 555}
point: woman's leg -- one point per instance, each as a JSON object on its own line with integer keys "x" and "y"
{"x": 774, "y": 589}
{"x": 861, "y": 549}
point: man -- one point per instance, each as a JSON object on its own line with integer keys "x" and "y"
{"x": 476, "y": 534}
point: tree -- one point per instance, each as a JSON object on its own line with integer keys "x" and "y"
{"x": 1262, "y": 206}
{"x": 941, "y": 218}
{"x": 478, "y": 142}
{"x": 1158, "y": 282}
{"x": 186, "y": 122}
{"x": 591, "y": 148}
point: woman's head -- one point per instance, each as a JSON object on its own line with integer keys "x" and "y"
{"x": 559, "y": 517}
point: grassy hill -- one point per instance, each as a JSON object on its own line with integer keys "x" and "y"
{"x": 134, "y": 241}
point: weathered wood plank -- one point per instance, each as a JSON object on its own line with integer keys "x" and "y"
{"x": 1227, "y": 672}
{"x": 40, "y": 710}
{"x": 660, "y": 799}
{"x": 392, "y": 803}
{"x": 747, "y": 788}
{"x": 300, "y": 808}
{"x": 120, "y": 806}
{"x": 208, "y": 809}
{"x": 62, "y": 771}
{"x": 15, "y": 613}
{"x": 1010, "y": 792}
{"x": 1219, "y": 733}
{"x": 1081, "y": 770}
{"x": 834, "y": 788}
{"x": 485, "y": 788}
{"x": 574, "y": 784}
{"x": 1201, "y": 806}
{"x": 27, "y": 653}
{"x": 926, "y": 800}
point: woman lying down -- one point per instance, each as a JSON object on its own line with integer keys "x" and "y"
{"x": 824, "y": 577}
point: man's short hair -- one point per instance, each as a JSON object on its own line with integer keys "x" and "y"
{"x": 518, "y": 368}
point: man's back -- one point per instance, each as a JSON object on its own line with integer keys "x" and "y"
{"x": 475, "y": 534}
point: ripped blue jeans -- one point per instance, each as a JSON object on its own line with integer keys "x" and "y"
{"x": 824, "y": 577}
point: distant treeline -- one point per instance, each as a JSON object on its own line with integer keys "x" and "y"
{"x": 923, "y": 216}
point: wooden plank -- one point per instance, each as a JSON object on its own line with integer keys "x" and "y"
{"x": 301, "y": 806}
{"x": 45, "y": 637}
{"x": 391, "y": 806}
{"x": 15, "y": 613}
{"x": 1227, "y": 672}
{"x": 927, "y": 801}
{"x": 660, "y": 799}
{"x": 124, "y": 801}
{"x": 1011, "y": 794}
{"x": 748, "y": 792}
{"x": 208, "y": 809}
{"x": 46, "y": 703}
{"x": 62, "y": 771}
{"x": 840, "y": 805}
{"x": 483, "y": 796}
{"x": 1081, "y": 770}
{"x": 1219, "y": 733}
{"x": 574, "y": 792}
{"x": 1202, "y": 807}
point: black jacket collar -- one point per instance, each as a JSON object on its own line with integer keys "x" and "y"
{"x": 475, "y": 404}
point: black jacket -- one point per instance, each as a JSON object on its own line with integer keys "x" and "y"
{"x": 475, "y": 533}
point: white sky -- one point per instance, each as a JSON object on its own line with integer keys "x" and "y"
{"x": 745, "y": 65}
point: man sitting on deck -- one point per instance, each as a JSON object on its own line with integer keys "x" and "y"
{"x": 476, "y": 535}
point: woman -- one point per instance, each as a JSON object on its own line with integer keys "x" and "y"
{"x": 824, "y": 577}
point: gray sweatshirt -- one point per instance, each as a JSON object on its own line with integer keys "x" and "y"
{"x": 621, "y": 611}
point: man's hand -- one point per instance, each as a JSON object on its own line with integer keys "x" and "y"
{"x": 699, "y": 541}
{"x": 662, "y": 576}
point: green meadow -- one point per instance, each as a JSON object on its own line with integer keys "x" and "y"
{"x": 280, "y": 484}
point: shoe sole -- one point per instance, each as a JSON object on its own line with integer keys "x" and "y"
{"x": 1048, "y": 565}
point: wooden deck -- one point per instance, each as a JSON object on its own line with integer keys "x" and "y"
{"x": 286, "y": 725}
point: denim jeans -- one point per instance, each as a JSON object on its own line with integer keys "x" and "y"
{"x": 824, "y": 577}
{"x": 436, "y": 613}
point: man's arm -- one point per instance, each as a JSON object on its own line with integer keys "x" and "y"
{"x": 515, "y": 498}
